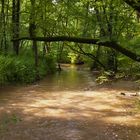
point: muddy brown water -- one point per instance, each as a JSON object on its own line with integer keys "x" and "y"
{"x": 69, "y": 106}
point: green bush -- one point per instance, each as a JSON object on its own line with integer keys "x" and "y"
{"x": 47, "y": 65}
{"x": 22, "y": 69}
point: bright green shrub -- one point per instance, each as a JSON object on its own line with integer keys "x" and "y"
{"x": 22, "y": 69}
{"x": 47, "y": 65}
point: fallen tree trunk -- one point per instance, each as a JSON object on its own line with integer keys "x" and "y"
{"x": 109, "y": 44}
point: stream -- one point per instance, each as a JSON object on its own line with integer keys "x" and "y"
{"x": 68, "y": 105}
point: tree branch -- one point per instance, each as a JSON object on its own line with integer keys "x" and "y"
{"x": 82, "y": 52}
{"x": 109, "y": 44}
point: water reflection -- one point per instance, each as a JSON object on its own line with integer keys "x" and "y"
{"x": 70, "y": 78}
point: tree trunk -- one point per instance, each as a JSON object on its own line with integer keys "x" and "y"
{"x": 32, "y": 33}
{"x": 16, "y": 24}
{"x": 108, "y": 44}
{"x": 3, "y": 27}
{"x": 112, "y": 55}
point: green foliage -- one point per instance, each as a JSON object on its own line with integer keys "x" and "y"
{"x": 64, "y": 57}
{"x": 137, "y": 104}
{"x": 127, "y": 68}
{"x": 47, "y": 65}
{"x": 106, "y": 20}
{"x": 104, "y": 77}
{"x": 7, "y": 120}
{"x": 134, "y": 44}
{"x": 22, "y": 69}
{"x": 73, "y": 57}
{"x": 120, "y": 75}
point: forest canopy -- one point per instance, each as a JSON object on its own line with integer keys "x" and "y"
{"x": 51, "y": 30}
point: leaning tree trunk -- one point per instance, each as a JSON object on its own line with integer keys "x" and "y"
{"x": 109, "y": 44}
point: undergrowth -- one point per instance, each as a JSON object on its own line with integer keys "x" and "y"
{"x": 21, "y": 69}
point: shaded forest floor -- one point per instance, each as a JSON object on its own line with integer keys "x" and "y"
{"x": 100, "y": 113}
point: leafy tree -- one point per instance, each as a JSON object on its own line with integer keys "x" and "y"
{"x": 99, "y": 30}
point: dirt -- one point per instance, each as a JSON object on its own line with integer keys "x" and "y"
{"x": 100, "y": 113}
